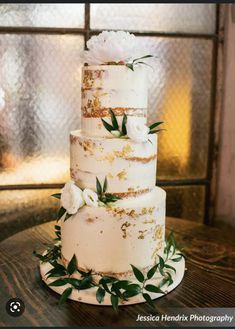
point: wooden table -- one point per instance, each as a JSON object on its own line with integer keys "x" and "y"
{"x": 209, "y": 280}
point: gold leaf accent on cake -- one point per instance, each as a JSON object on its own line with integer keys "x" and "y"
{"x": 122, "y": 175}
{"x": 124, "y": 152}
{"x": 98, "y": 74}
{"x": 142, "y": 234}
{"x": 146, "y": 210}
{"x": 131, "y": 213}
{"x": 118, "y": 111}
{"x": 90, "y": 76}
{"x": 158, "y": 248}
{"x": 148, "y": 221}
{"x": 158, "y": 232}
{"x": 130, "y": 194}
{"x": 124, "y": 228}
{"x": 73, "y": 139}
{"x": 88, "y": 79}
{"x": 88, "y": 146}
{"x": 122, "y": 211}
{"x": 143, "y": 160}
{"x": 110, "y": 157}
{"x": 91, "y": 88}
{"x": 110, "y": 175}
{"x": 117, "y": 211}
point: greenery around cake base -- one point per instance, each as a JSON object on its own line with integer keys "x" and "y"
{"x": 118, "y": 290}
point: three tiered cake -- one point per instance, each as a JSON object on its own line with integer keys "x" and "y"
{"x": 112, "y": 214}
{"x": 130, "y": 230}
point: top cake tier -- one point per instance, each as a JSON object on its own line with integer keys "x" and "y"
{"x": 114, "y": 87}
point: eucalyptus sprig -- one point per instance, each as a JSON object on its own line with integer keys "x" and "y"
{"x": 138, "y": 61}
{"x": 103, "y": 196}
{"x": 114, "y": 128}
{"x": 61, "y": 211}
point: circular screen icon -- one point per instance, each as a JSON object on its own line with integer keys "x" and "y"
{"x": 15, "y": 307}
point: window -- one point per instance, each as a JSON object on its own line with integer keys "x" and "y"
{"x": 40, "y": 74}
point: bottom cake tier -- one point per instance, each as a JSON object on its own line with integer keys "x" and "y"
{"x": 107, "y": 240}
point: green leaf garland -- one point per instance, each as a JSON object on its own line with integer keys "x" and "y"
{"x": 138, "y": 274}
{"x": 72, "y": 266}
{"x": 67, "y": 292}
{"x": 100, "y": 293}
{"x": 119, "y": 290}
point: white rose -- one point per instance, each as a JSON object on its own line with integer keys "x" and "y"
{"x": 90, "y": 197}
{"x": 137, "y": 131}
{"x": 71, "y": 198}
{"x": 2, "y": 98}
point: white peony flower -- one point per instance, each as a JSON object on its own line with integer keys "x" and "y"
{"x": 90, "y": 197}
{"x": 137, "y": 131}
{"x": 114, "y": 46}
{"x": 71, "y": 198}
{"x": 2, "y": 98}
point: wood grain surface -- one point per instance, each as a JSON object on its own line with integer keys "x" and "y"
{"x": 209, "y": 280}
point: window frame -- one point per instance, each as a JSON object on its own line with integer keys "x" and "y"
{"x": 210, "y": 181}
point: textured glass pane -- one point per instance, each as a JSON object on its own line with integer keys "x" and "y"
{"x": 40, "y": 75}
{"x": 187, "y": 202}
{"x": 42, "y": 15}
{"x": 20, "y": 209}
{"x": 193, "y": 18}
{"x": 179, "y": 95}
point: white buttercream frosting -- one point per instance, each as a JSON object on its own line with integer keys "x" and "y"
{"x": 114, "y": 87}
{"x": 109, "y": 239}
{"x": 128, "y": 166}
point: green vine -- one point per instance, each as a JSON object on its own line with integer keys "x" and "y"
{"x": 118, "y": 290}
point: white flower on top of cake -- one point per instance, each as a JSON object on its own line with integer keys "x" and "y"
{"x": 2, "y": 98}
{"x": 114, "y": 47}
{"x": 136, "y": 131}
{"x": 90, "y": 197}
{"x": 71, "y": 198}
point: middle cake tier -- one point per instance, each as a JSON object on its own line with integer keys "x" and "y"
{"x": 130, "y": 167}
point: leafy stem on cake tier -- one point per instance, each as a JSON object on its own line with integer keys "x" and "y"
{"x": 103, "y": 196}
{"x": 125, "y": 131}
{"x": 118, "y": 290}
{"x": 131, "y": 65}
{"x": 114, "y": 128}
{"x": 138, "y": 61}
